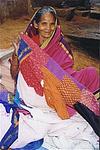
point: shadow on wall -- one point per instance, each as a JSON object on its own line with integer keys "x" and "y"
{"x": 40, "y": 3}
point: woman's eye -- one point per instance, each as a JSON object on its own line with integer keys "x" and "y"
{"x": 44, "y": 23}
{"x": 52, "y": 25}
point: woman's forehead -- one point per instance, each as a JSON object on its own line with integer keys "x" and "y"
{"x": 42, "y": 12}
{"x": 47, "y": 16}
{"x": 46, "y": 9}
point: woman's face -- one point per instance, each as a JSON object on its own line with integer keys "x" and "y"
{"x": 46, "y": 26}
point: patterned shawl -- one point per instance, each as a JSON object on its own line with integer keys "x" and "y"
{"x": 59, "y": 87}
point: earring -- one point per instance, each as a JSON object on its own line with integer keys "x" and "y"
{"x": 35, "y": 25}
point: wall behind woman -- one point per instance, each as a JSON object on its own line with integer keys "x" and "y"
{"x": 3, "y": 11}
{"x": 17, "y": 8}
{"x": 39, "y": 3}
{"x": 13, "y": 9}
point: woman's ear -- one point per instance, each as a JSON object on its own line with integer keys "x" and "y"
{"x": 35, "y": 24}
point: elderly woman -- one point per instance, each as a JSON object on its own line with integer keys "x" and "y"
{"x": 48, "y": 92}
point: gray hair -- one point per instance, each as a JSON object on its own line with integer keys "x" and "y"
{"x": 42, "y": 11}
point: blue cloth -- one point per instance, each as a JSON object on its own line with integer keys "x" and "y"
{"x": 17, "y": 98}
{"x": 8, "y": 106}
{"x": 42, "y": 148}
{"x": 36, "y": 145}
{"x": 9, "y": 138}
{"x": 23, "y": 50}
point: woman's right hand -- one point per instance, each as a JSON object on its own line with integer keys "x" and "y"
{"x": 14, "y": 63}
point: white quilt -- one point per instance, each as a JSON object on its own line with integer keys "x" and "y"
{"x": 71, "y": 134}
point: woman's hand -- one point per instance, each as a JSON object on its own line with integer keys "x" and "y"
{"x": 14, "y": 63}
{"x": 15, "y": 44}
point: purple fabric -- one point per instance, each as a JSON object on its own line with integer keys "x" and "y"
{"x": 59, "y": 72}
{"x": 4, "y": 95}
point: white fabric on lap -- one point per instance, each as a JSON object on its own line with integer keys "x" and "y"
{"x": 74, "y": 133}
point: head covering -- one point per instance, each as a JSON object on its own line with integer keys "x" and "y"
{"x": 31, "y": 30}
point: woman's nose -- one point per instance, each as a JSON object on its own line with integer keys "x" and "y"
{"x": 48, "y": 27}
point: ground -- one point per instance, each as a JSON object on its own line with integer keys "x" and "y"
{"x": 10, "y": 30}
